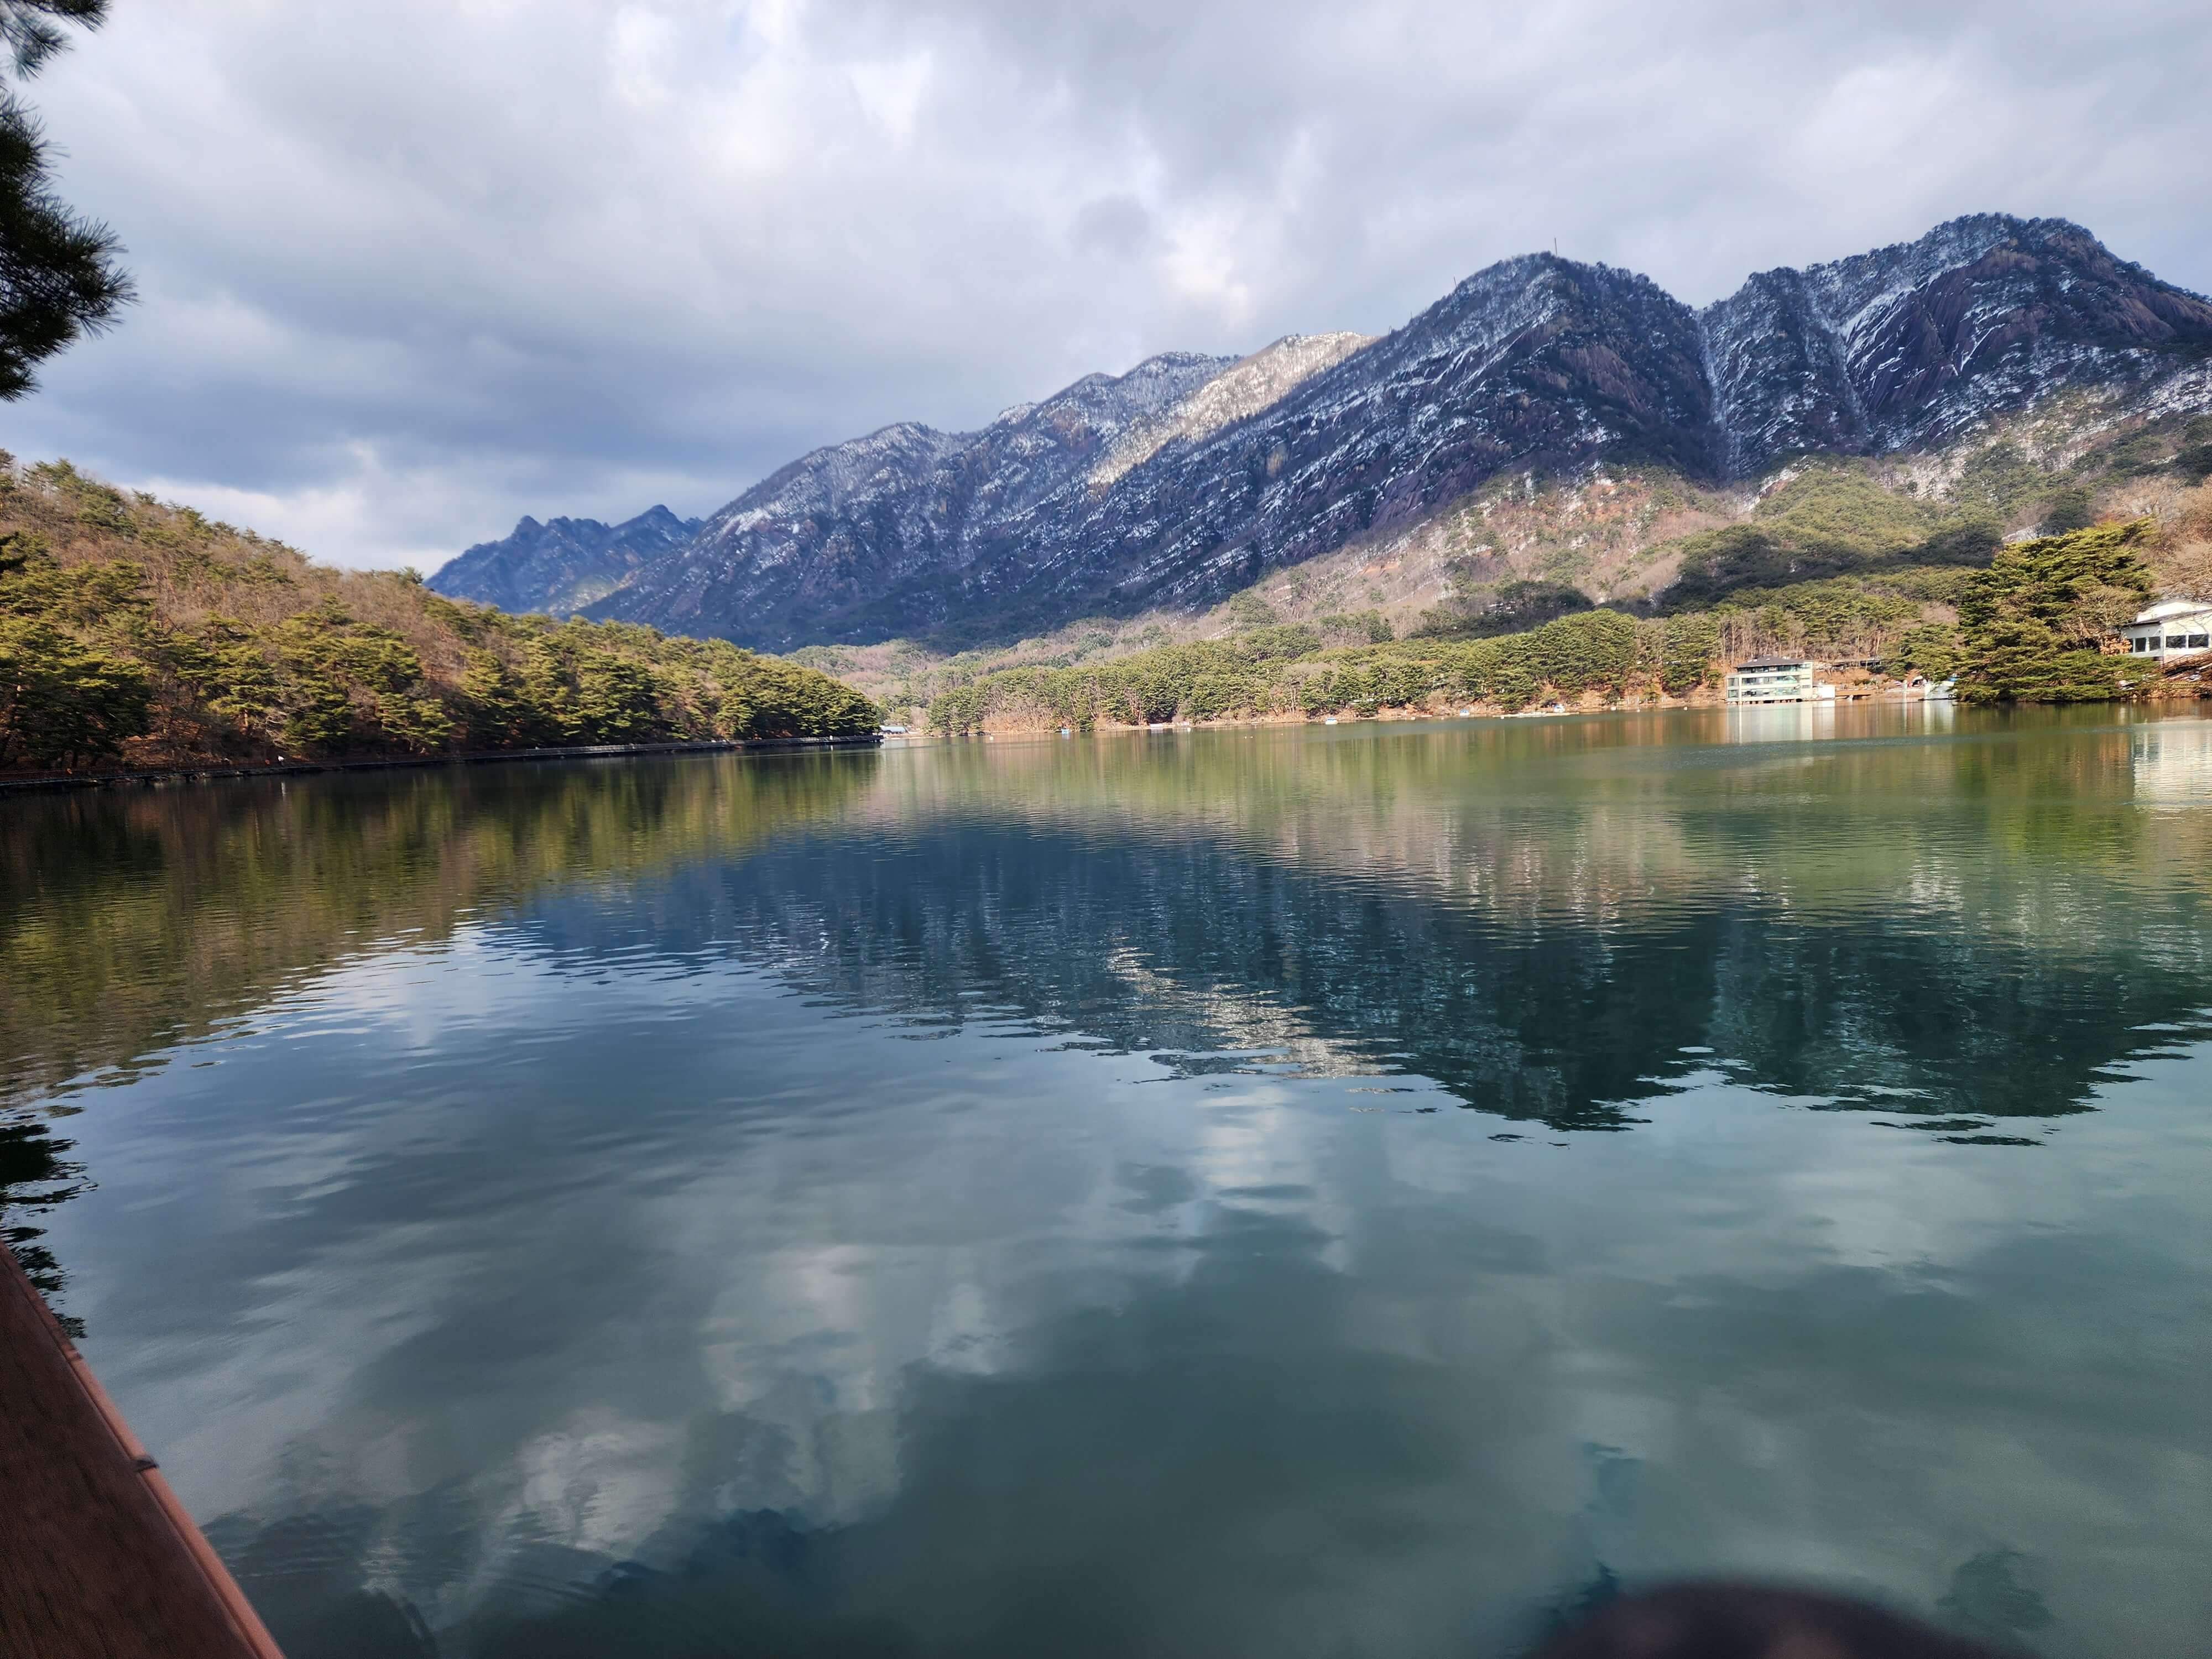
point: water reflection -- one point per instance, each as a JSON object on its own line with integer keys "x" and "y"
{"x": 34, "y": 1177}
{"x": 1141, "y": 1198}
{"x": 2172, "y": 764}
{"x": 132, "y": 922}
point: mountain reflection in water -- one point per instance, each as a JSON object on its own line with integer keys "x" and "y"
{"x": 1141, "y": 1196}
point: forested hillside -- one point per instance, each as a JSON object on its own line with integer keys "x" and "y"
{"x": 134, "y": 633}
{"x": 2031, "y": 623}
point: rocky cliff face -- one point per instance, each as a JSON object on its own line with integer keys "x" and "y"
{"x": 863, "y": 539}
{"x": 1913, "y": 345}
{"x": 1239, "y": 392}
{"x": 1192, "y": 476}
{"x": 1537, "y": 362}
{"x": 562, "y": 566}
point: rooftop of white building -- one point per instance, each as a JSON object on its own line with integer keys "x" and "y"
{"x": 2166, "y": 608}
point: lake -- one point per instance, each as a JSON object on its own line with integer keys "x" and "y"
{"x": 1352, "y": 1191}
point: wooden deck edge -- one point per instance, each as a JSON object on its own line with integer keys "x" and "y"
{"x": 252, "y": 1635}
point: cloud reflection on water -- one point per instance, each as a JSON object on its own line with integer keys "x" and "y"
{"x": 965, "y": 1219}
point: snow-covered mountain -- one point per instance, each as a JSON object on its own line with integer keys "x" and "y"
{"x": 1243, "y": 389}
{"x": 1192, "y": 476}
{"x": 1915, "y": 344}
{"x": 562, "y": 566}
{"x": 859, "y": 536}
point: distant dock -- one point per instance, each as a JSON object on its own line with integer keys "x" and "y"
{"x": 98, "y": 1559}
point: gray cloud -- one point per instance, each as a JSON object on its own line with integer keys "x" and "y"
{"x": 412, "y": 271}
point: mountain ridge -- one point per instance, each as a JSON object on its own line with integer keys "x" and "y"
{"x": 563, "y": 564}
{"x": 1121, "y": 493}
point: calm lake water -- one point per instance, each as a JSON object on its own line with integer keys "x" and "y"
{"x": 1344, "y": 1192}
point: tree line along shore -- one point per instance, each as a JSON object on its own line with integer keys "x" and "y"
{"x": 2032, "y": 624}
{"x": 139, "y": 635}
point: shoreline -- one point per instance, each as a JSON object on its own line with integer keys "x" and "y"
{"x": 2172, "y": 692}
{"x": 212, "y": 771}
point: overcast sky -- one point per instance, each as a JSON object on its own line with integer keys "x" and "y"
{"x": 411, "y": 269}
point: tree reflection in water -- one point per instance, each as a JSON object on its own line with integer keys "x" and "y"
{"x": 697, "y": 1207}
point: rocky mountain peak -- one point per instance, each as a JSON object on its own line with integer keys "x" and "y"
{"x": 561, "y": 565}
{"x": 1247, "y": 385}
{"x": 1914, "y": 343}
{"x": 1191, "y": 475}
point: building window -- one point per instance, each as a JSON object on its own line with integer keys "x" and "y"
{"x": 2198, "y": 641}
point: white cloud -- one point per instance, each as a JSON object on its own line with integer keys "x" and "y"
{"x": 412, "y": 271}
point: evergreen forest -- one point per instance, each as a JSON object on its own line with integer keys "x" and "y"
{"x": 2032, "y": 624}
{"x": 138, "y": 633}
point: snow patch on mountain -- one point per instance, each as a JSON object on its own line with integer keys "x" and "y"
{"x": 1242, "y": 389}
{"x": 1191, "y": 475}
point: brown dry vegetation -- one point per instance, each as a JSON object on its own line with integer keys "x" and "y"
{"x": 2181, "y": 559}
{"x": 139, "y": 633}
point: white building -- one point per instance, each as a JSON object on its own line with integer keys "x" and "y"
{"x": 1777, "y": 679}
{"x": 2175, "y": 627}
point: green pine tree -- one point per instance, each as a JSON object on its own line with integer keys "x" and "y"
{"x": 2034, "y": 624}
{"x": 64, "y": 704}
{"x": 58, "y": 279}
